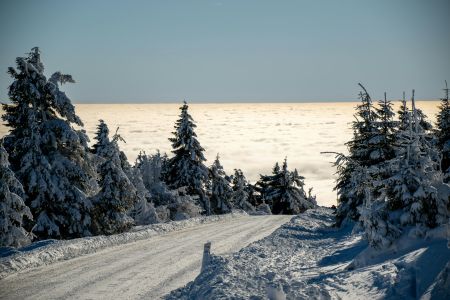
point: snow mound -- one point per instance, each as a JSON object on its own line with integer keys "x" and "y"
{"x": 50, "y": 251}
{"x": 308, "y": 258}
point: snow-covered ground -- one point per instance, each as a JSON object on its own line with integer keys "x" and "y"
{"x": 306, "y": 258}
{"x": 144, "y": 264}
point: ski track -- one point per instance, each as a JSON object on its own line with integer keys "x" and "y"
{"x": 146, "y": 269}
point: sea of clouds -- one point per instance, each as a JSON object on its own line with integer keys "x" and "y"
{"x": 249, "y": 136}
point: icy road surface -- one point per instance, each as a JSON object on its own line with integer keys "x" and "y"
{"x": 146, "y": 269}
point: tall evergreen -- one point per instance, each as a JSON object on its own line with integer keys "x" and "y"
{"x": 186, "y": 168}
{"x": 385, "y": 139}
{"x": 117, "y": 195}
{"x": 412, "y": 186}
{"x": 220, "y": 188}
{"x": 362, "y": 152}
{"x": 383, "y": 143}
{"x": 443, "y": 134}
{"x": 12, "y": 207}
{"x": 47, "y": 154}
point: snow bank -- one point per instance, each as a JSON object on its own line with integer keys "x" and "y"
{"x": 307, "y": 258}
{"x": 49, "y": 251}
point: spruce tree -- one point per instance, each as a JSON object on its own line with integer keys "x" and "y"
{"x": 186, "y": 168}
{"x": 378, "y": 228}
{"x": 144, "y": 211}
{"x": 403, "y": 117}
{"x": 117, "y": 195}
{"x": 151, "y": 168}
{"x": 220, "y": 188}
{"x": 412, "y": 186}
{"x": 384, "y": 140}
{"x": 266, "y": 184}
{"x": 443, "y": 134}
{"x": 403, "y": 114}
{"x": 240, "y": 198}
{"x": 362, "y": 152}
{"x": 47, "y": 154}
{"x": 284, "y": 190}
{"x": 12, "y": 207}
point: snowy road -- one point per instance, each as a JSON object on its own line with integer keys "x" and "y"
{"x": 146, "y": 269}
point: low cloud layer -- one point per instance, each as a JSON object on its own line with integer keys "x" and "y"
{"x": 251, "y": 137}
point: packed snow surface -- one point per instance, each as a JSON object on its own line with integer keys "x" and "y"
{"x": 308, "y": 259}
{"x": 144, "y": 264}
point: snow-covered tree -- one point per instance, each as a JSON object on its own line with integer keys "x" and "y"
{"x": 379, "y": 230}
{"x": 102, "y": 140}
{"x": 240, "y": 198}
{"x": 151, "y": 168}
{"x": 266, "y": 184}
{"x": 183, "y": 206}
{"x": 220, "y": 188}
{"x": 412, "y": 187}
{"x": 403, "y": 114}
{"x": 12, "y": 207}
{"x": 443, "y": 134}
{"x": 186, "y": 168}
{"x": 117, "y": 194}
{"x": 384, "y": 140}
{"x": 348, "y": 198}
{"x": 284, "y": 191}
{"x": 173, "y": 204}
{"x": 47, "y": 154}
{"x": 144, "y": 211}
{"x": 363, "y": 150}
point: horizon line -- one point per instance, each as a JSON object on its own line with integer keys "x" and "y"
{"x": 248, "y": 102}
{"x": 238, "y": 102}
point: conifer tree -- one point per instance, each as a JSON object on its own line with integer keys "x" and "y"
{"x": 443, "y": 134}
{"x": 379, "y": 230}
{"x": 186, "y": 168}
{"x": 384, "y": 140}
{"x": 412, "y": 187}
{"x": 117, "y": 194}
{"x": 47, "y": 154}
{"x": 362, "y": 151}
{"x": 151, "y": 168}
{"x": 143, "y": 211}
{"x": 12, "y": 207}
{"x": 266, "y": 185}
{"x": 240, "y": 196}
{"x": 220, "y": 188}
{"x": 284, "y": 190}
{"x": 403, "y": 114}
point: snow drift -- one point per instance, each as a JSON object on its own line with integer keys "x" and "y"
{"x": 307, "y": 258}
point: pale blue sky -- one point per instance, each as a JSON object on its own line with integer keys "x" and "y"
{"x": 211, "y": 51}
